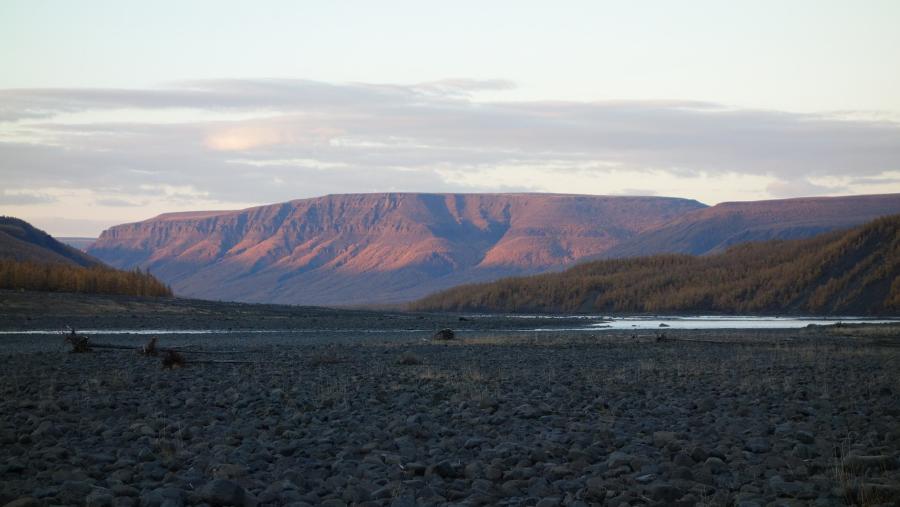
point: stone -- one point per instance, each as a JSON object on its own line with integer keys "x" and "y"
{"x": 125, "y": 490}
{"x": 699, "y": 454}
{"x": 757, "y": 445}
{"x": 223, "y": 492}
{"x": 446, "y": 469}
{"x": 661, "y": 438}
{"x": 716, "y": 465}
{"x": 26, "y": 501}
{"x": 665, "y": 493}
{"x": 619, "y": 459}
{"x": 805, "y": 437}
{"x": 444, "y": 334}
{"x": 46, "y": 428}
{"x": 682, "y": 459}
{"x": 162, "y": 497}
{"x": 74, "y": 492}
{"x": 99, "y": 497}
{"x": 595, "y": 488}
{"x": 645, "y": 479}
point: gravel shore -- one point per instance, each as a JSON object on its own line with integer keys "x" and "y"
{"x": 807, "y": 417}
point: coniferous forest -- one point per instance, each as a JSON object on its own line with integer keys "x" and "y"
{"x": 856, "y": 271}
{"x": 55, "y": 277}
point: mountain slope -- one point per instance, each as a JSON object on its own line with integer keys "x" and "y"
{"x": 849, "y": 272}
{"x": 22, "y": 242}
{"x": 716, "y": 228}
{"x": 368, "y": 248}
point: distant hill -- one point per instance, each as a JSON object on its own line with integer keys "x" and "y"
{"x": 714, "y": 229}
{"x": 30, "y": 259}
{"x": 78, "y": 243}
{"x": 21, "y": 241}
{"x": 848, "y": 272}
{"x": 376, "y": 248}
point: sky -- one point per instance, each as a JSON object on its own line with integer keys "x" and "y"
{"x": 116, "y": 111}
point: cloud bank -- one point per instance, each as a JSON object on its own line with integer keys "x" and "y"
{"x": 228, "y": 142}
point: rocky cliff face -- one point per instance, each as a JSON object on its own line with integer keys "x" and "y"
{"x": 377, "y": 248}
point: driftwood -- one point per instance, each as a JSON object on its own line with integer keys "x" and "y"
{"x": 172, "y": 357}
{"x": 80, "y": 344}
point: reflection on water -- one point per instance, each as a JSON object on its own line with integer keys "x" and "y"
{"x": 736, "y": 322}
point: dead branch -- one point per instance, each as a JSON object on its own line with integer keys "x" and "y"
{"x": 171, "y": 356}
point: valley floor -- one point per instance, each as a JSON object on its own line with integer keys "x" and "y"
{"x": 803, "y": 417}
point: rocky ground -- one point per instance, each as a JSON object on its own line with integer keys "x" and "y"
{"x": 806, "y": 417}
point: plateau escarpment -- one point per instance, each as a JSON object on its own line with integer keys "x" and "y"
{"x": 377, "y": 248}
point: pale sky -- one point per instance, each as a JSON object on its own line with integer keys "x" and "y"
{"x": 115, "y": 111}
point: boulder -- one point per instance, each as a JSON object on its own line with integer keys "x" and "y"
{"x": 444, "y": 334}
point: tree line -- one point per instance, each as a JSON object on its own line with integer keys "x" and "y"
{"x": 855, "y": 271}
{"x": 55, "y": 277}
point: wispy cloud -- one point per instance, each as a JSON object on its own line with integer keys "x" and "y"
{"x": 24, "y": 198}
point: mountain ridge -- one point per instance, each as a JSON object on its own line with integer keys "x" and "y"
{"x": 366, "y": 248}
{"x": 386, "y": 248}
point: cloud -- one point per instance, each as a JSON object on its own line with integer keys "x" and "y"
{"x": 24, "y": 198}
{"x": 463, "y": 87}
{"x": 278, "y": 139}
{"x": 801, "y": 186}
{"x": 117, "y": 203}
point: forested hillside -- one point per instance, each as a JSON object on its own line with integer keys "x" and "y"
{"x": 30, "y": 259}
{"x": 55, "y": 277}
{"x": 850, "y": 272}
